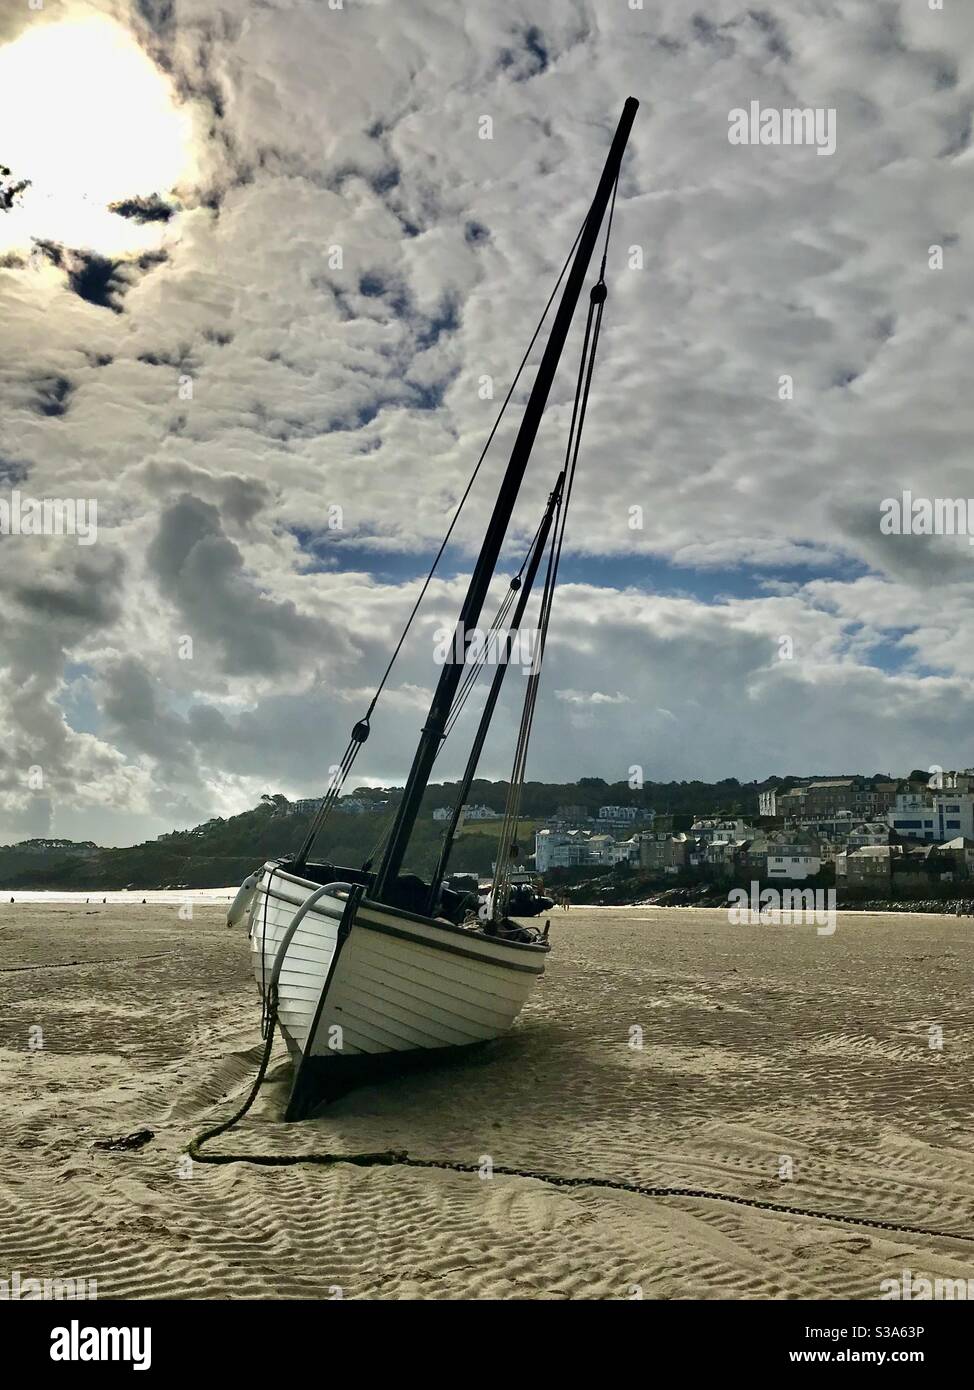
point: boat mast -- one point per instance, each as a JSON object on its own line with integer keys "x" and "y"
{"x": 470, "y": 771}
{"x": 446, "y": 688}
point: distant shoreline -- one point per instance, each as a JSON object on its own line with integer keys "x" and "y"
{"x": 200, "y": 897}
{"x": 913, "y": 910}
{"x": 218, "y": 897}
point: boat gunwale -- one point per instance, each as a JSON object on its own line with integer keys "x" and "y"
{"x": 385, "y": 929}
{"x": 449, "y": 927}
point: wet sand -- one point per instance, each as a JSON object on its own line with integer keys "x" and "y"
{"x": 764, "y": 1049}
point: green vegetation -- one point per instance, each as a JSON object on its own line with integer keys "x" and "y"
{"x": 491, "y": 829}
{"x": 222, "y": 851}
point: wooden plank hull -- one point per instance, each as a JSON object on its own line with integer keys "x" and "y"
{"x": 397, "y": 987}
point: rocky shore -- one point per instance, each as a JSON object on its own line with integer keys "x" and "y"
{"x": 610, "y": 892}
{"x": 951, "y": 907}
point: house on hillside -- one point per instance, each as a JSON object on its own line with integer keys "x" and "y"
{"x": 666, "y": 853}
{"x": 933, "y": 816}
{"x": 960, "y": 851}
{"x": 793, "y": 861}
{"x": 561, "y": 849}
{"x": 626, "y": 851}
{"x": 869, "y": 833}
{"x": 870, "y": 866}
{"x": 715, "y": 828}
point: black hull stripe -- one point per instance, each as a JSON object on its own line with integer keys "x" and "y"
{"x": 364, "y": 924}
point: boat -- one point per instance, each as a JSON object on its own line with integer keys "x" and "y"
{"x": 526, "y": 900}
{"x": 364, "y": 971}
{"x": 526, "y": 896}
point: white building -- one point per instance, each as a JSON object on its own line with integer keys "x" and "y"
{"x": 443, "y": 813}
{"x": 934, "y": 816}
{"x": 480, "y": 813}
{"x": 835, "y": 829}
{"x": 955, "y": 815}
{"x": 600, "y": 849}
{"x": 868, "y": 833}
{"x": 568, "y": 849}
{"x": 707, "y": 830}
{"x": 626, "y": 851}
{"x": 792, "y": 861}
{"x": 560, "y": 849}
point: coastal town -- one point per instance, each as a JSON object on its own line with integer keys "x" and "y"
{"x": 876, "y": 834}
{"x": 875, "y": 838}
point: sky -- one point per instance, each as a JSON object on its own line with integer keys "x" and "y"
{"x": 267, "y": 269}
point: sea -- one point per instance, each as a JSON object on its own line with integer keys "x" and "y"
{"x": 149, "y": 896}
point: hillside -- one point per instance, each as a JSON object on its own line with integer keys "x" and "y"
{"x": 222, "y": 851}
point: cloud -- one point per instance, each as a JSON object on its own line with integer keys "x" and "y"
{"x": 278, "y": 397}
{"x": 203, "y": 573}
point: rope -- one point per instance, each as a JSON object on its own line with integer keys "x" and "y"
{"x": 388, "y": 1158}
{"x": 473, "y": 670}
{"x": 362, "y": 729}
{"x": 266, "y": 1019}
{"x": 470, "y": 677}
{"x": 473, "y": 476}
{"x": 512, "y": 811}
{"x": 359, "y": 734}
{"x": 207, "y": 1134}
{"x": 399, "y": 1158}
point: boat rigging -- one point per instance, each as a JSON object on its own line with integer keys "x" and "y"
{"x": 360, "y": 969}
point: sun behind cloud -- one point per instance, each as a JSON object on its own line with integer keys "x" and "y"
{"x": 88, "y": 120}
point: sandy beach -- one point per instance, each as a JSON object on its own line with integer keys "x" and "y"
{"x": 765, "y": 1051}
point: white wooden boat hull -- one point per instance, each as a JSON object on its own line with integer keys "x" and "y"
{"x": 397, "y": 986}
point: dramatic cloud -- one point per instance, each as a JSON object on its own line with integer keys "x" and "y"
{"x": 267, "y": 325}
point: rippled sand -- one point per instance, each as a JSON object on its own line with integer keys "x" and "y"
{"x": 763, "y": 1048}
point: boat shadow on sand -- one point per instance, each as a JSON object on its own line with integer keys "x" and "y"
{"x": 398, "y": 1078}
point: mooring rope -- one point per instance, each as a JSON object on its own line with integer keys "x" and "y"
{"x": 400, "y": 1158}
